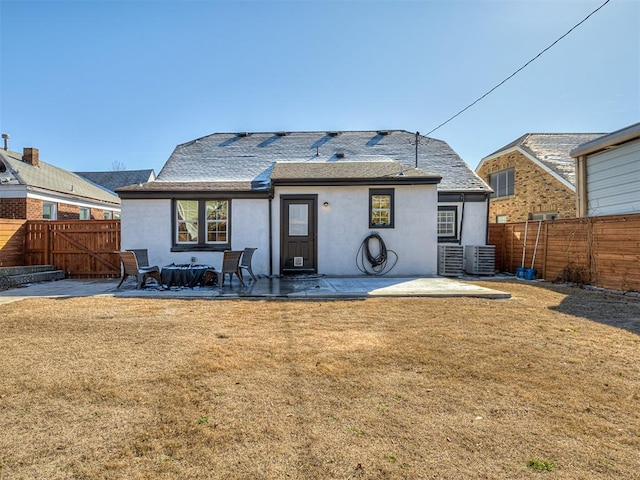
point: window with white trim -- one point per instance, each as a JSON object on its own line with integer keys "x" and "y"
{"x": 49, "y": 211}
{"x": 85, "y": 213}
{"x": 447, "y": 223}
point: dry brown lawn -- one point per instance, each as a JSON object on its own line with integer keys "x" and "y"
{"x": 105, "y": 388}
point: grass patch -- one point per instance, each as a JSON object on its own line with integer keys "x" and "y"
{"x": 382, "y": 388}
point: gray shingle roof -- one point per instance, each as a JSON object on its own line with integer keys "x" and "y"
{"x": 384, "y": 171}
{"x": 251, "y": 157}
{"x": 552, "y": 150}
{"x": 54, "y": 179}
{"x": 119, "y": 178}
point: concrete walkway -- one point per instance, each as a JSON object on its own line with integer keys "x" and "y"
{"x": 288, "y": 288}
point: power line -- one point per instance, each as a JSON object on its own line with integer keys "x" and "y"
{"x": 517, "y": 71}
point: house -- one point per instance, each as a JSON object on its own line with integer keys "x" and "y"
{"x": 112, "y": 180}
{"x": 309, "y": 201}
{"x": 608, "y": 173}
{"x": 533, "y": 177}
{"x": 34, "y": 190}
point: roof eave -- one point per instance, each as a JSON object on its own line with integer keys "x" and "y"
{"x": 320, "y": 182}
{"x": 58, "y": 193}
{"x": 614, "y": 139}
{"x": 535, "y": 160}
{"x": 154, "y": 194}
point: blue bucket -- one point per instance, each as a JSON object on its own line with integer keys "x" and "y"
{"x": 529, "y": 273}
{"x": 520, "y": 272}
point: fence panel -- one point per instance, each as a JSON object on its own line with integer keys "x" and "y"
{"x": 12, "y": 234}
{"x": 602, "y": 251}
{"x": 616, "y": 251}
{"x": 82, "y": 248}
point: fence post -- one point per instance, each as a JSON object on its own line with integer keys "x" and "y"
{"x": 45, "y": 241}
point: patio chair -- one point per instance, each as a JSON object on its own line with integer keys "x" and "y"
{"x": 231, "y": 265}
{"x": 245, "y": 262}
{"x": 130, "y": 268}
{"x": 142, "y": 256}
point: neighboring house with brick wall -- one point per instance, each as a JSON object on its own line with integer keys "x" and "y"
{"x": 533, "y": 178}
{"x": 31, "y": 189}
{"x": 608, "y": 173}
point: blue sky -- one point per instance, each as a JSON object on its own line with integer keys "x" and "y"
{"x": 94, "y": 84}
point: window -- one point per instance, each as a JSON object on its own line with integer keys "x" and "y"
{"x": 201, "y": 224}
{"x": 501, "y": 219}
{"x": 217, "y": 221}
{"x": 502, "y": 183}
{"x": 448, "y": 224}
{"x": 49, "y": 211}
{"x": 381, "y": 208}
{"x": 85, "y": 213}
{"x": 108, "y": 215}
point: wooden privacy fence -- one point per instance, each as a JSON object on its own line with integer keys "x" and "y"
{"x": 601, "y": 251}
{"x": 82, "y": 248}
{"x": 12, "y": 234}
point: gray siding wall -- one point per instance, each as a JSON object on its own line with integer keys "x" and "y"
{"x": 613, "y": 180}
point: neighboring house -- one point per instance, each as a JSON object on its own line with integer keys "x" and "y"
{"x": 533, "y": 178}
{"x": 34, "y": 190}
{"x": 307, "y": 201}
{"x": 115, "y": 179}
{"x": 608, "y": 174}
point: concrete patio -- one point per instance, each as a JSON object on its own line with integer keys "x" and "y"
{"x": 319, "y": 287}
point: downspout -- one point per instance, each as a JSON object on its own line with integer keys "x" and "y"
{"x": 461, "y": 219}
{"x": 270, "y": 236}
{"x": 486, "y": 235}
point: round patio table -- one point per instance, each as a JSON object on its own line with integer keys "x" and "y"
{"x": 183, "y": 275}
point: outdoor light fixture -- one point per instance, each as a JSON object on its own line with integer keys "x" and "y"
{"x": 326, "y": 204}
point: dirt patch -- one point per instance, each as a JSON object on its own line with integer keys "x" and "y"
{"x": 379, "y": 388}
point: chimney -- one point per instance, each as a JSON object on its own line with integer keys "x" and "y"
{"x": 31, "y": 156}
{"x": 5, "y": 137}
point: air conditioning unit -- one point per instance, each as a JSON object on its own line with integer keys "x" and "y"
{"x": 450, "y": 260}
{"x": 480, "y": 259}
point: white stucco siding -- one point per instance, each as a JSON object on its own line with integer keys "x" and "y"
{"x": 250, "y": 228}
{"x": 613, "y": 181}
{"x": 148, "y": 224}
{"x": 344, "y": 224}
{"x": 474, "y": 223}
